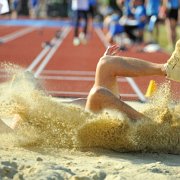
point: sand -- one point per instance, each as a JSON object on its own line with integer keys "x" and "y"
{"x": 55, "y": 140}
{"x": 21, "y": 163}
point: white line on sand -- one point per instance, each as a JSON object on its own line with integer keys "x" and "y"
{"x": 17, "y": 34}
{"x": 51, "y": 52}
{"x": 129, "y": 80}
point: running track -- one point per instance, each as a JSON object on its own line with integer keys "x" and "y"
{"x": 66, "y": 71}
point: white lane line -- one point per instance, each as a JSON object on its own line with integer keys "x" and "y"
{"x": 129, "y": 80}
{"x": 17, "y": 34}
{"x": 40, "y": 56}
{"x": 69, "y": 72}
{"x": 51, "y": 52}
{"x": 68, "y": 93}
{"x": 83, "y": 93}
{"x": 102, "y": 37}
{"x": 67, "y": 78}
{"x": 74, "y": 78}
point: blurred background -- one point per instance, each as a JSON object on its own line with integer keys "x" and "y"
{"x": 61, "y": 9}
{"x": 41, "y": 35}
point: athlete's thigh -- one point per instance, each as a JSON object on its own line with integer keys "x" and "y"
{"x": 108, "y": 69}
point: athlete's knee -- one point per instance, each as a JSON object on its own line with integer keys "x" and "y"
{"x": 98, "y": 92}
{"x": 105, "y": 59}
{"x": 95, "y": 94}
{"x": 104, "y": 62}
{"x": 94, "y": 101}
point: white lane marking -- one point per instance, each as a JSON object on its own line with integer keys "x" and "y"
{"x": 51, "y": 52}
{"x": 129, "y": 80}
{"x": 69, "y": 72}
{"x": 83, "y": 93}
{"x": 40, "y": 56}
{"x": 17, "y": 34}
{"x": 102, "y": 37}
{"x": 73, "y": 78}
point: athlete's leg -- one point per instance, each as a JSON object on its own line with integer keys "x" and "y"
{"x": 102, "y": 98}
{"x": 76, "y": 101}
{"x": 171, "y": 28}
{"x": 109, "y": 67}
{"x": 105, "y": 93}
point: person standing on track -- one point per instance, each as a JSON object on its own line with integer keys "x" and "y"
{"x": 139, "y": 15}
{"x": 33, "y": 8}
{"x": 81, "y": 9}
{"x": 171, "y": 8}
{"x": 92, "y": 8}
{"x": 152, "y": 11}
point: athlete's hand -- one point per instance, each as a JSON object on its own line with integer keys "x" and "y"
{"x": 112, "y": 50}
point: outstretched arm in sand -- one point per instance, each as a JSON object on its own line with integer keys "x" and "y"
{"x": 105, "y": 93}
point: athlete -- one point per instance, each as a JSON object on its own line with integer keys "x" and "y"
{"x": 152, "y": 11}
{"x": 81, "y": 9}
{"x": 171, "y": 8}
{"x": 105, "y": 93}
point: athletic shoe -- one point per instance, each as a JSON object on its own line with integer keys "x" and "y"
{"x": 76, "y": 41}
{"x": 173, "y": 64}
{"x": 82, "y": 38}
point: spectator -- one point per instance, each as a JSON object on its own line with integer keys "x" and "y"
{"x": 139, "y": 13}
{"x": 34, "y": 8}
{"x": 80, "y": 8}
{"x": 135, "y": 21}
{"x": 114, "y": 27}
{"x": 127, "y": 7}
{"x": 92, "y": 13}
{"x": 92, "y": 8}
{"x": 171, "y": 11}
{"x": 15, "y": 7}
{"x": 152, "y": 10}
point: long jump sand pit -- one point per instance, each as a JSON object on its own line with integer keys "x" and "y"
{"x": 55, "y": 140}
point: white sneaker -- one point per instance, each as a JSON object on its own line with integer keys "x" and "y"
{"x": 173, "y": 64}
{"x": 76, "y": 41}
{"x": 82, "y": 38}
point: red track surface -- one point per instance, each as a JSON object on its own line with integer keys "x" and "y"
{"x": 24, "y": 49}
{"x": 70, "y": 71}
{"x": 4, "y": 30}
